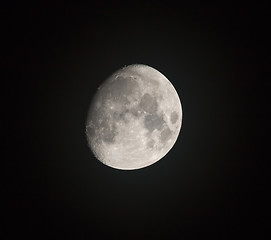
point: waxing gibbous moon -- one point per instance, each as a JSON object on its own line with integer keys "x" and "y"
{"x": 134, "y": 118}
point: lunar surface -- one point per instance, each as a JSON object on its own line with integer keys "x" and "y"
{"x": 134, "y": 118}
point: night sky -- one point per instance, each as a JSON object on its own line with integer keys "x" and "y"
{"x": 214, "y": 181}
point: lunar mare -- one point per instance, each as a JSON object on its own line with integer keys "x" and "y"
{"x": 134, "y": 118}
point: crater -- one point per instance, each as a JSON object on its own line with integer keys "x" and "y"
{"x": 148, "y": 103}
{"x": 165, "y": 135}
{"x": 153, "y": 121}
{"x": 173, "y": 117}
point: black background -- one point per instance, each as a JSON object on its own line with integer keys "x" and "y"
{"x": 215, "y": 179}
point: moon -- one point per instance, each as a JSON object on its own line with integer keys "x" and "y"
{"x": 134, "y": 118}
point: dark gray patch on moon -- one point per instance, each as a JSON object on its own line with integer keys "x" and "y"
{"x": 165, "y": 135}
{"x": 135, "y": 112}
{"x": 120, "y": 88}
{"x": 153, "y": 121}
{"x": 173, "y": 117}
{"x": 148, "y": 103}
{"x": 150, "y": 143}
{"x": 120, "y": 115}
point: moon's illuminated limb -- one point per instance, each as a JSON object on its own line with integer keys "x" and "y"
{"x": 134, "y": 118}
